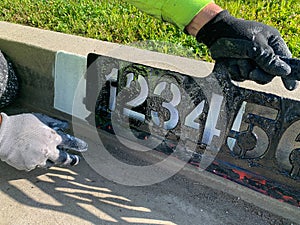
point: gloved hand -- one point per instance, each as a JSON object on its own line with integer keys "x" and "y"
{"x": 28, "y": 141}
{"x": 251, "y": 50}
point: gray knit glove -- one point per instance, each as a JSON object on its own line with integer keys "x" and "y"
{"x": 28, "y": 141}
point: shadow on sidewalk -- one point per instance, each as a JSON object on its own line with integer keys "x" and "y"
{"x": 78, "y": 192}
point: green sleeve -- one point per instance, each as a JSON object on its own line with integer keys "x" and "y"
{"x": 178, "y": 12}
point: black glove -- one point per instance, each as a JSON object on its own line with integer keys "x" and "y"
{"x": 251, "y": 50}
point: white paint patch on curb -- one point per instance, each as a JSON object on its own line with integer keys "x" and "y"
{"x": 69, "y": 69}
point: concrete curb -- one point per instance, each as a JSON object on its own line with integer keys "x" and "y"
{"x": 33, "y": 52}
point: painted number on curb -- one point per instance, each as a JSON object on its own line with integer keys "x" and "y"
{"x": 171, "y": 106}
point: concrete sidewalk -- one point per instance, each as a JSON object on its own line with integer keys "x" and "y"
{"x": 80, "y": 196}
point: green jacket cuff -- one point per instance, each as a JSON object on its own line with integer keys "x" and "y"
{"x": 177, "y": 12}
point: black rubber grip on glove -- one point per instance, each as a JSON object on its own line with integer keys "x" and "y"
{"x": 250, "y": 50}
{"x": 223, "y": 25}
{"x": 216, "y": 28}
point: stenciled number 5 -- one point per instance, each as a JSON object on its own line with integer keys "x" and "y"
{"x": 246, "y": 139}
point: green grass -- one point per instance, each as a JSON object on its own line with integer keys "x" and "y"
{"x": 117, "y": 21}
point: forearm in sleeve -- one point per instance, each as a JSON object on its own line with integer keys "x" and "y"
{"x": 177, "y": 12}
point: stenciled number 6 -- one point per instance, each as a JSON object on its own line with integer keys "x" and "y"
{"x": 288, "y": 150}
